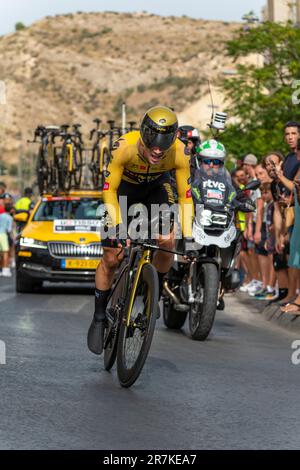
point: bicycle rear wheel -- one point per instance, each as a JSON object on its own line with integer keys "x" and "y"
{"x": 77, "y": 166}
{"x": 62, "y": 170}
{"x": 42, "y": 172}
{"x": 135, "y": 340}
{"x": 115, "y": 308}
{"x": 95, "y": 168}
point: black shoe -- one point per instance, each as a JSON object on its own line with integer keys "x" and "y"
{"x": 95, "y": 338}
{"x": 221, "y": 304}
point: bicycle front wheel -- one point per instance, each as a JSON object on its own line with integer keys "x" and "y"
{"x": 114, "y": 312}
{"x": 135, "y": 339}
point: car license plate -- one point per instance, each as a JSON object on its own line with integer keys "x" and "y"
{"x": 80, "y": 263}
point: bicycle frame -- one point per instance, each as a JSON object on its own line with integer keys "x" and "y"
{"x": 145, "y": 259}
{"x": 70, "y": 153}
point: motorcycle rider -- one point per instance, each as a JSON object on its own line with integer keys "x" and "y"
{"x": 211, "y": 166}
{"x": 212, "y": 184}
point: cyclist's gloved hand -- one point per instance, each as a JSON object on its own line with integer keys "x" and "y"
{"x": 189, "y": 248}
{"x": 119, "y": 237}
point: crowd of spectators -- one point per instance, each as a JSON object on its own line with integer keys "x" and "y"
{"x": 10, "y": 205}
{"x": 270, "y": 255}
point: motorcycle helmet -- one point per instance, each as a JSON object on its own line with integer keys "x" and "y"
{"x": 159, "y": 128}
{"x": 212, "y": 149}
{"x": 187, "y": 134}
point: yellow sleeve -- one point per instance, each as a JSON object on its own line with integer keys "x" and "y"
{"x": 183, "y": 181}
{"x": 119, "y": 158}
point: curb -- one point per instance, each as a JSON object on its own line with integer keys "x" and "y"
{"x": 272, "y": 313}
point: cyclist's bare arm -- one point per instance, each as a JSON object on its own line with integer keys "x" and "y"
{"x": 183, "y": 181}
{"x": 115, "y": 170}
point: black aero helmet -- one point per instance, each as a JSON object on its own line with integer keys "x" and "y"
{"x": 159, "y": 128}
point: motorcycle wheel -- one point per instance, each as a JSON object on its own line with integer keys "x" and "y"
{"x": 202, "y": 313}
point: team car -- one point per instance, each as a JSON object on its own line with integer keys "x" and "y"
{"x": 60, "y": 241}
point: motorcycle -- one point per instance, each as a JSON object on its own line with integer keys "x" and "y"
{"x": 195, "y": 287}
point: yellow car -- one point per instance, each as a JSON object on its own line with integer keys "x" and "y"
{"x": 60, "y": 241}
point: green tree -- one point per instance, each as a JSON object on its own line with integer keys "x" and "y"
{"x": 260, "y": 95}
{"x": 19, "y": 26}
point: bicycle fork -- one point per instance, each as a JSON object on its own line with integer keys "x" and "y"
{"x": 145, "y": 259}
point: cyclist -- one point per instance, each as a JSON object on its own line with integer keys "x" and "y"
{"x": 139, "y": 169}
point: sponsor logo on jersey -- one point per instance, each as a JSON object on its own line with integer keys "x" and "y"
{"x": 142, "y": 167}
{"x": 214, "y": 185}
{"x": 106, "y": 173}
{"x": 214, "y": 194}
{"x": 106, "y": 187}
{"x": 188, "y": 194}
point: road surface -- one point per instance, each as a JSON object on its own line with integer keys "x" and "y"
{"x": 237, "y": 390}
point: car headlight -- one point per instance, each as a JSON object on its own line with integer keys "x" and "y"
{"x": 27, "y": 242}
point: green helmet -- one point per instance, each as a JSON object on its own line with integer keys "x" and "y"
{"x": 212, "y": 149}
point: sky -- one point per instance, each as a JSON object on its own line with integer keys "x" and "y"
{"x": 28, "y": 11}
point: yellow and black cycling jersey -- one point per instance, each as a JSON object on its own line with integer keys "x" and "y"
{"x": 128, "y": 165}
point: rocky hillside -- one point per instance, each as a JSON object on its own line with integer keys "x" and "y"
{"x": 72, "y": 68}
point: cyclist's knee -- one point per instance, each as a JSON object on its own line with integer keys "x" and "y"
{"x": 167, "y": 242}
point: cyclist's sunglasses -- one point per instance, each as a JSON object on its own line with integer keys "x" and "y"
{"x": 214, "y": 161}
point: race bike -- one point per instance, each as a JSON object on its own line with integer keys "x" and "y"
{"x": 194, "y": 288}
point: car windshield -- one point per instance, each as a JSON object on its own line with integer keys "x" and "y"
{"x": 76, "y": 209}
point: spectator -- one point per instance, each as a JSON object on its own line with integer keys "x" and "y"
{"x": 270, "y": 162}
{"x": 259, "y": 237}
{"x": 239, "y": 180}
{"x": 25, "y": 203}
{"x": 253, "y": 229}
{"x": 265, "y": 246}
{"x": 5, "y": 197}
{"x": 291, "y": 163}
{"x": 249, "y": 164}
{"x": 294, "y": 258}
{"x": 261, "y": 174}
{"x": 6, "y": 221}
{"x": 293, "y": 307}
{"x": 286, "y": 175}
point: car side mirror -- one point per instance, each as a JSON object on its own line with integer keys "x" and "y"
{"x": 21, "y": 217}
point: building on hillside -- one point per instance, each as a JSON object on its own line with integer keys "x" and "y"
{"x": 281, "y": 11}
